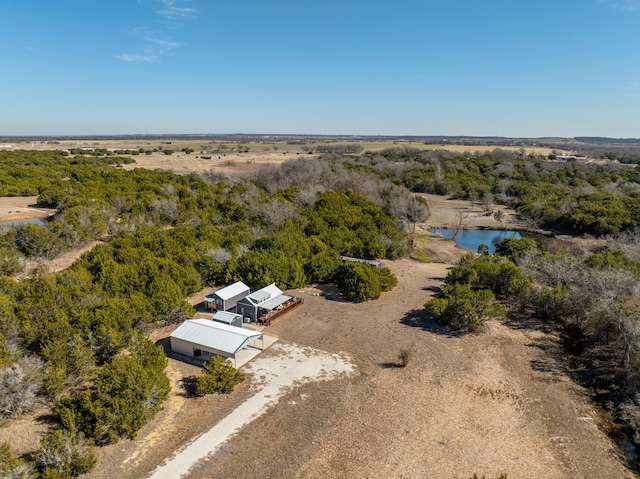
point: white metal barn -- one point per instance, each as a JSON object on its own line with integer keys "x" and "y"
{"x": 225, "y": 298}
{"x": 203, "y": 338}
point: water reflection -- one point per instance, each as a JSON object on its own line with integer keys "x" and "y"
{"x": 36, "y": 221}
{"x": 471, "y": 239}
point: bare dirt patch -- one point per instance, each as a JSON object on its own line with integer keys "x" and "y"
{"x": 492, "y": 403}
{"x": 446, "y": 213}
{"x": 13, "y": 208}
{"x": 228, "y": 164}
{"x": 273, "y": 374}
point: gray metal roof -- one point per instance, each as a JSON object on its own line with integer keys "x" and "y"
{"x": 226, "y": 317}
{"x": 212, "y": 335}
{"x": 229, "y": 292}
{"x": 273, "y": 303}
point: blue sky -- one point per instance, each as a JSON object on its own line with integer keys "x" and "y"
{"x": 442, "y": 67}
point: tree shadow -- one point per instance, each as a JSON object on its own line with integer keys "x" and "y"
{"x": 188, "y": 385}
{"x": 330, "y": 292}
{"x": 526, "y": 320}
{"x": 416, "y": 318}
{"x": 432, "y": 289}
{"x": 166, "y": 345}
{"x": 48, "y": 419}
{"x": 550, "y": 367}
{"x": 200, "y": 308}
{"x": 390, "y": 365}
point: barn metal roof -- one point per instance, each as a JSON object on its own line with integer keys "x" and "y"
{"x": 218, "y": 336}
{"x": 230, "y": 291}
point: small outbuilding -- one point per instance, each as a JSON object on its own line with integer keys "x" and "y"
{"x": 202, "y": 339}
{"x": 226, "y": 317}
{"x": 225, "y": 299}
{"x": 377, "y": 264}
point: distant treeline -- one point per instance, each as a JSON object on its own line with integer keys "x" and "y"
{"x": 608, "y": 141}
{"x": 581, "y": 198}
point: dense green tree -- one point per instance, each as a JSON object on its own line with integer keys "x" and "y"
{"x": 362, "y": 282}
{"x": 464, "y": 309}
{"x": 218, "y": 376}
{"x": 37, "y": 241}
{"x": 514, "y": 248}
{"x": 127, "y": 393}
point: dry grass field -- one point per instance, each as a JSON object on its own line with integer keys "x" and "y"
{"x": 236, "y": 157}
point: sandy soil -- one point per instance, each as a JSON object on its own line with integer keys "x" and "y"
{"x": 22, "y": 207}
{"x": 448, "y": 213}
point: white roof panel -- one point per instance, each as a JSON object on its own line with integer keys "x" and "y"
{"x": 230, "y": 291}
{"x": 264, "y": 294}
{"x": 212, "y": 335}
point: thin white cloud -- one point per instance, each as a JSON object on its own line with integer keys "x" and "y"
{"x": 155, "y": 45}
{"x": 152, "y": 50}
{"x": 171, "y": 10}
{"x": 624, "y": 5}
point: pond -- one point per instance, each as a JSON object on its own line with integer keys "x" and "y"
{"x": 37, "y": 221}
{"x": 471, "y": 239}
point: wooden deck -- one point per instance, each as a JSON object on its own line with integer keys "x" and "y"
{"x": 275, "y": 315}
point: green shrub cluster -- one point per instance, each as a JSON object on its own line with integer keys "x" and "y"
{"x": 218, "y": 376}
{"x": 463, "y": 309}
{"x": 363, "y": 282}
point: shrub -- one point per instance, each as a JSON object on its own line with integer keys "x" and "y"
{"x": 404, "y": 357}
{"x": 11, "y": 262}
{"x": 218, "y": 376}
{"x": 463, "y": 309}
{"x": 64, "y": 454}
{"x": 20, "y": 385}
{"x": 358, "y": 282}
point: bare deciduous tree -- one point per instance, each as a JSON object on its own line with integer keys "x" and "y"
{"x": 219, "y": 255}
{"x": 20, "y": 384}
{"x": 274, "y": 212}
{"x": 461, "y": 217}
{"x": 167, "y": 208}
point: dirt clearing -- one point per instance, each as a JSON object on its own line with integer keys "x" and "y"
{"x": 13, "y": 208}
